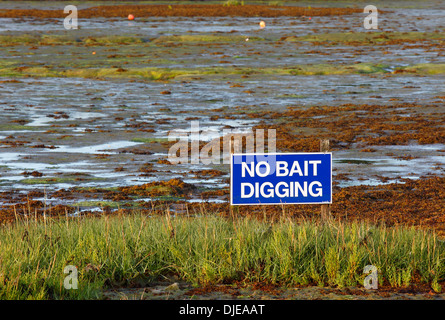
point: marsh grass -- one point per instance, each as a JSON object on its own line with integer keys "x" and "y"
{"x": 124, "y": 250}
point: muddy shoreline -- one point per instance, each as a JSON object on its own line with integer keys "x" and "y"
{"x": 171, "y": 290}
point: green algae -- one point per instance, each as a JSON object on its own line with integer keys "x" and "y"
{"x": 100, "y": 204}
{"x": 369, "y": 37}
{"x": 205, "y": 38}
{"x": 425, "y": 68}
{"x": 17, "y": 127}
{"x": 62, "y": 39}
{"x": 150, "y": 140}
{"x": 155, "y": 73}
{"x": 55, "y": 180}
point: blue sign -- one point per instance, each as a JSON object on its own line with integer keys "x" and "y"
{"x": 281, "y": 178}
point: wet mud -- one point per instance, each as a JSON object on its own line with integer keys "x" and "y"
{"x": 259, "y": 291}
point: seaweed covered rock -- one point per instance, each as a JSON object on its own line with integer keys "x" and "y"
{"x": 173, "y": 187}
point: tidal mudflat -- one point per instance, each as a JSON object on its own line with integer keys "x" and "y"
{"x": 86, "y": 113}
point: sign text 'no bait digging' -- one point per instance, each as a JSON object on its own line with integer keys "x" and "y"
{"x": 286, "y": 178}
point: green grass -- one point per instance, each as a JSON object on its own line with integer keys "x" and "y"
{"x": 124, "y": 250}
